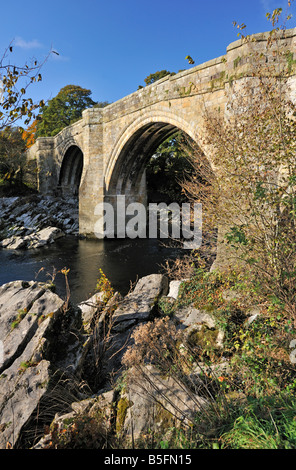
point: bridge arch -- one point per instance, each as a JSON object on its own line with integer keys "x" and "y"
{"x": 138, "y": 142}
{"x": 71, "y": 171}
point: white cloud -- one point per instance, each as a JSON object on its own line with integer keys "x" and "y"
{"x": 33, "y": 44}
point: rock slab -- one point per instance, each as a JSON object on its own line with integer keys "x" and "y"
{"x": 29, "y": 315}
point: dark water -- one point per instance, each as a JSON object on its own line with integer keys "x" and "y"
{"x": 123, "y": 261}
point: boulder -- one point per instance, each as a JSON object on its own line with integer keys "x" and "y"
{"x": 37, "y": 346}
{"x": 193, "y": 320}
{"x": 116, "y": 322}
{"x": 45, "y": 236}
{"x": 174, "y": 287}
{"x": 153, "y": 401}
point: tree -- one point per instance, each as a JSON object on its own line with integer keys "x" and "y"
{"x": 167, "y": 170}
{"x": 153, "y": 77}
{"x": 63, "y": 110}
{"x": 14, "y": 82}
{"x": 28, "y": 134}
{"x": 12, "y": 158}
{"x": 252, "y": 197}
{"x": 15, "y": 105}
{"x": 101, "y": 104}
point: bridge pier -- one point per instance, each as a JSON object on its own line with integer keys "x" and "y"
{"x": 92, "y": 187}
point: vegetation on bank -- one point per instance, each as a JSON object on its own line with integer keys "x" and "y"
{"x": 15, "y": 188}
{"x": 249, "y": 382}
{"x": 255, "y": 401}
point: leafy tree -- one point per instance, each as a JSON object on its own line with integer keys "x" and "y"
{"x": 167, "y": 169}
{"x": 15, "y": 105}
{"x": 12, "y": 158}
{"x": 28, "y": 134}
{"x": 63, "y": 110}
{"x": 153, "y": 77}
{"x": 14, "y": 82}
{"x": 101, "y": 104}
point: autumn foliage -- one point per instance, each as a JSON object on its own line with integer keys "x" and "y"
{"x": 29, "y": 134}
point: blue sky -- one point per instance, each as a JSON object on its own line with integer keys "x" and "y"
{"x": 110, "y": 46}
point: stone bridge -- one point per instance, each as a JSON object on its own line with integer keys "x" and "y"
{"x": 104, "y": 154}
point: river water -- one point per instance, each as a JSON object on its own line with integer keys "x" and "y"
{"x": 122, "y": 260}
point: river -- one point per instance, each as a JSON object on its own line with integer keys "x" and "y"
{"x": 123, "y": 261}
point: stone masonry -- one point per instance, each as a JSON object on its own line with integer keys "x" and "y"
{"x": 104, "y": 154}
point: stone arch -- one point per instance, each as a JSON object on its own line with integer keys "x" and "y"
{"x": 71, "y": 171}
{"x": 137, "y": 143}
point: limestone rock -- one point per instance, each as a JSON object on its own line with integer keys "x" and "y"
{"x": 148, "y": 405}
{"x": 31, "y": 320}
{"x": 190, "y": 315}
{"x": 100, "y": 407}
{"x": 112, "y": 334}
{"x": 45, "y": 236}
{"x": 17, "y": 243}
{"x": 34, "y": 240}
{"x": 174, "y": 287}
{"x": 7, "y": 241}
{"x": 89, "y": 308}
{"x": 192, "y": 319}
{"x": 138, "y": 304}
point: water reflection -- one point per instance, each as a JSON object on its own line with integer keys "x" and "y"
{"x": 123, "y": 261}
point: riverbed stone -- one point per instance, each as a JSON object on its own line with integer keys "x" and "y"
{"x": 42, "y": 218}
{"x": 18, "y": 243}
{"x": 45, "y": 236}
{"x": 33, "y": 239}
{"x": 7, "y": 242}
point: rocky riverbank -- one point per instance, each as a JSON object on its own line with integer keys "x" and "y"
{"x": 33, "y": 221}
{"x": 61, "y": 363}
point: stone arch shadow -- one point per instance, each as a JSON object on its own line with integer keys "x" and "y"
{"x": 125, "y": 172}
{"x": 71, "y": 171}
